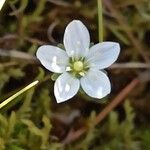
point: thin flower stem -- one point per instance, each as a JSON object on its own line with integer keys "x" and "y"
{"x": 4, "y": 103}
{"x": 100, "y": 20}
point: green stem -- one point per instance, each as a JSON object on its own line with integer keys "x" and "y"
{"x": 4, "y": 103}
{"x": 100, "y": 20}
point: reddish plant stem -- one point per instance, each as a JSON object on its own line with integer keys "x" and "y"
{"x": 74, "y": 135}
{"x": 117, "y": 100}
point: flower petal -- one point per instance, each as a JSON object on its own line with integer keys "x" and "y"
{"x": 76, "y": 39}
{"x": 66, "y": 86}
{"x": 104, "y": 54}
{"x": 53, "y": 58}
{"x": 96, "y": 84}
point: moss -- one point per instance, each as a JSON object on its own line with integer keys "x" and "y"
{"x": 34, "y": 121}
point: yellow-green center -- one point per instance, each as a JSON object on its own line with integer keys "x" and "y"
{"x": 78, "y": 66}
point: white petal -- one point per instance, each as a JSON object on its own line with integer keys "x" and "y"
{"x": 96, "y": 84}
{"x": 104, "y": 54}
{"x": 53, "y": 58}
{"x": 76, "y": 39}
{"x": 66, "y": 86}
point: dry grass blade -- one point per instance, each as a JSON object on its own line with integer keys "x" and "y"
{"x": 74, "y": 135}
{"x": 4, "y": 103}
{"x": 121, "y": 20}
{"x": 60, "y": 3}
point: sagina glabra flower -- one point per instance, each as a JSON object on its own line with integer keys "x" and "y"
{"x": 80, "y": 64}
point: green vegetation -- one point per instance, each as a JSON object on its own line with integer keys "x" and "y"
{"x": 33, "y": 120}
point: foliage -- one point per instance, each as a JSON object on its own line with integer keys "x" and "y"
{"x": 34, "y": 121}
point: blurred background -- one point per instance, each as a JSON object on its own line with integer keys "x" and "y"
{"x": 34, "y": 121}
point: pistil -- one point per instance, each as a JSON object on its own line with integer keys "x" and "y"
{"x": 78, "y": 66}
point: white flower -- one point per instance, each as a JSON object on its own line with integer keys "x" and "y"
{"x": 79, "y": 64}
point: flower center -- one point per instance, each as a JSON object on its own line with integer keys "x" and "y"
{"x": 78, "y": 66}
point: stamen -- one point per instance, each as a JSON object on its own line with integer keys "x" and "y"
{"x": 82, "y": 74}
{"x": 68, "y": 69}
